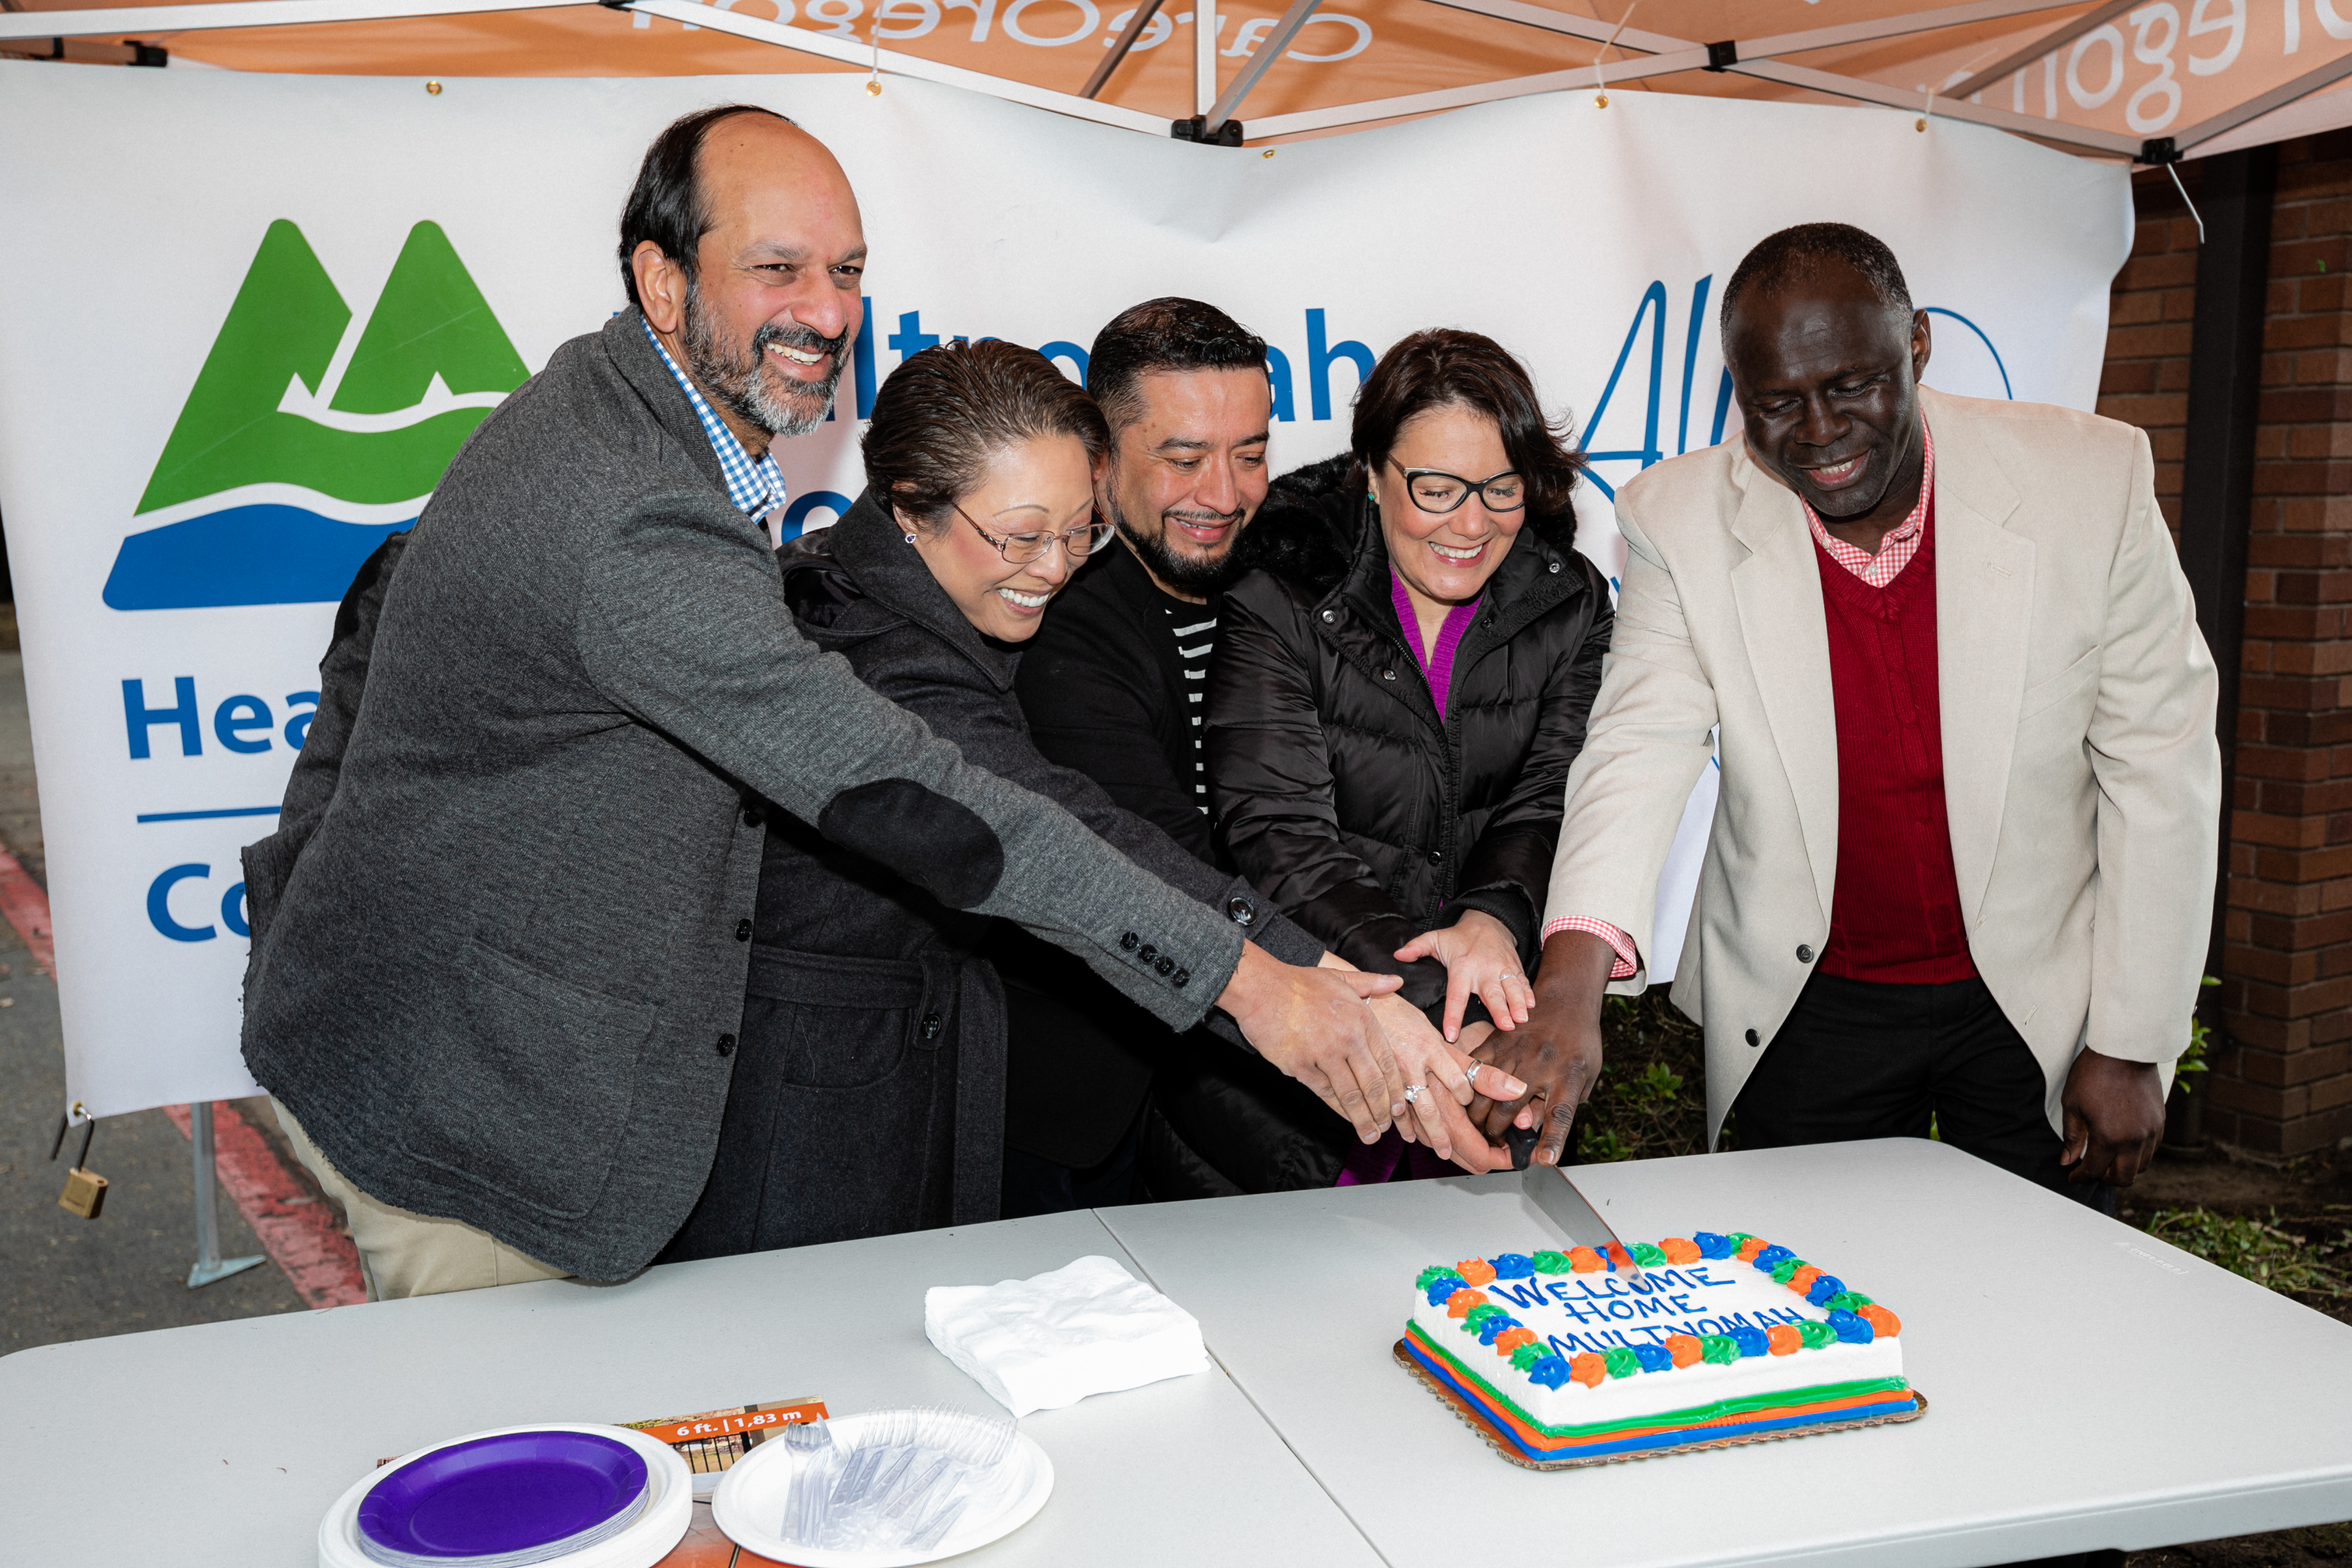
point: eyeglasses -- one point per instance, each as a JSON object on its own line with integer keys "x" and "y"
{"x": 1434, "y": 489}
{"x": 1020, "y": 549}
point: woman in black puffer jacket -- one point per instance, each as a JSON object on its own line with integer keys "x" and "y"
{"x": 1402, "y": 679}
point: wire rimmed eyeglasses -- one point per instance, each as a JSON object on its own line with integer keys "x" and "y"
{"x": 1021, "y": 549}
{"x": 1435, "y": 491}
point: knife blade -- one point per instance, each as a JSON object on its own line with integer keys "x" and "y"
{"x": 1556, "y": 1197}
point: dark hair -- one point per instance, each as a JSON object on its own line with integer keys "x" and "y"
{"x": 1801, "y": 251}
{"x": 1445, "y": 367}
{"x": 947, "y": 411}
{"x": 1167, "y": 334}
{"x": 667, "y": 206}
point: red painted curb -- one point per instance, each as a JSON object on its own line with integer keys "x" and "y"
{"x": 296, "y": 1226}
{"x": 27, "y": 908}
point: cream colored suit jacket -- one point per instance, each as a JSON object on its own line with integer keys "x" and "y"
{"x": 2081, "y": 774}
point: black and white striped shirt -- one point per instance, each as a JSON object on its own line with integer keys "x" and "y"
{"x": 1194, "y": 627}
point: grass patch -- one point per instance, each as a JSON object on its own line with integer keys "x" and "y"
{"x": 1650, "y": 1101}
{"x": 2260, "y": 1250}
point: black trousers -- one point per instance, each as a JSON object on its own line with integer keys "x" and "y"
{"x": 1856, "y": 1059}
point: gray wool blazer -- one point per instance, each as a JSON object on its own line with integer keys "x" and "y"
{"x": 500, "y": 949}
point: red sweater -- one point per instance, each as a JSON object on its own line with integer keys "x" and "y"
{"x": 1895, "y": 916}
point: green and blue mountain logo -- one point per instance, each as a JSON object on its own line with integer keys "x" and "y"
{"x": 303, "y": 445}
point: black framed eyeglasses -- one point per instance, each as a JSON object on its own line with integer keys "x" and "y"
{"x": 1435, "y": 491}
{"x": 1021, "y": 549}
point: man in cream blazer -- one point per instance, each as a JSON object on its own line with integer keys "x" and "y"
{"x": 1854, "y": 994}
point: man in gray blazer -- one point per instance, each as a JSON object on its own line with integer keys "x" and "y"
{"x": 499, "y": 940}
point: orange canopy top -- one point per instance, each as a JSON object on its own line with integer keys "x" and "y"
{"x": 2148, "y": 79}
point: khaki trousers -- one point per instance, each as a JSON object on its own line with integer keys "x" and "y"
{"x": 404, "y": 1254}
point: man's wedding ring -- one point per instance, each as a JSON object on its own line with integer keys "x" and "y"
{"x": 1470, "y": 1074}
{"x": 1411, "y": 1092}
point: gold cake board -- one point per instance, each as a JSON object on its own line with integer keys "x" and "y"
{"x": 1479, "y": 1422}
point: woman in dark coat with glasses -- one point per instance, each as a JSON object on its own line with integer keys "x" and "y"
{"x": 1399, "y": 685}
{"x": 868, "y": 1088}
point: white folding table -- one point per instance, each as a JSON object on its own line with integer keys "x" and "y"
{"x": 226, "y": 1444}
{"x": 2087, "y": 1386}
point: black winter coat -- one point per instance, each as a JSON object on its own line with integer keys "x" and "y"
{"x": 1343, "y": 794}
{"x": 869, "y": 1079}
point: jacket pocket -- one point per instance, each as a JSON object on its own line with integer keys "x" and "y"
{"x": 2047, "y": 694}
{"x": 532, "y": 1083}
{"x": 839, "y": 1022}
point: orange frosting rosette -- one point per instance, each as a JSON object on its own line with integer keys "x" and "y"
{"x": 1475, "y": 1271}
{"x": 1679, "y": 1250}
{"x": 1750, "y": 1247}
{"x": 1784, "y": 1339}
{"x": 1458, "y": 1305}
{"x": 1685, "y": 1349}
{"x": 1883, "y": 1323}
{"x": 1588, "y": 1369}
{"x": 1510, "y": 1339}
{"x": 1584, "y": 1260}
{"x": 1802, "y": 1280}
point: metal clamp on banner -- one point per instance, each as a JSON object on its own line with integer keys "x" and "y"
{"x": 2158, "y": 150}
{"x": 1229, "y": 134}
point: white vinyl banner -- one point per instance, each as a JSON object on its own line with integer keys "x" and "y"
{"x": 254, "y": 316}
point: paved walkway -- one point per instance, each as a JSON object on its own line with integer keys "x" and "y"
{"x": 63, "y": 1277}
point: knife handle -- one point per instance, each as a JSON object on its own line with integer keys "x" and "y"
{"x": 1521, "y": 1143}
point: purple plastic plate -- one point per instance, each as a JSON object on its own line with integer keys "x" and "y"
{"x": 502, "y": 1494}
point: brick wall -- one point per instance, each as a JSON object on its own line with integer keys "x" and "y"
{"x": 2282, "y": 1080}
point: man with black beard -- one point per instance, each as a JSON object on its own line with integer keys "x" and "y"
{"x": 1112, "y": 687}
{"x": 501, "y": 939}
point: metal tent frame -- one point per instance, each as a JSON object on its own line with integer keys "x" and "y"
{"x": 1217, "y": 107}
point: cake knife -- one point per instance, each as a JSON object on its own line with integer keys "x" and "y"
{"x": 1556, "y": 1197}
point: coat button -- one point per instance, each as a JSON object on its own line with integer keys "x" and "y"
{"x": 1149, "y": 953}
{"x": 1180, "y": 977}
{"x": 1753, "y": 1039}
{"x": 1388, "y": 675}
{"x": 1435, "y": 856}
{"x": 1241, "y": 910}
{"x": 726, "y": 1046}
{"x": 931, "y": 1025}
{"x": 1555, "y": 566}
{"x": 750, "y": 817}
{"x": 1128, "y": 942}
{"x": 1331, "y": 616}
{"x": 742, "y": 931}
{"x": 1165, "y": 964}
{"x": 1804, "y": 953}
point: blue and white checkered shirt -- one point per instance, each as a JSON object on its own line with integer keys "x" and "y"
{"x": 758, "y": 488}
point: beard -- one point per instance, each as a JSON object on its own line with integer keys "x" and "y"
{"x": 1184, "y": 573}
{"x": 741, "y": 385}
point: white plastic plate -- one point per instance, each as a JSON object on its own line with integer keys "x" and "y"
{"x": 748, "y": 1506}
{"x": 669, "y": 1504}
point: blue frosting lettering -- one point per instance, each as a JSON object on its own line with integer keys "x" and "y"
{"x": 1519, "y": 1295}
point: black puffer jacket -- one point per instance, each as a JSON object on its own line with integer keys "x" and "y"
{"x": 1344, "y": 797}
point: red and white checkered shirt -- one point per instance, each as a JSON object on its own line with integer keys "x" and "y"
{"x": 1897, "y": 545}
{"x": 1896, "y": 549}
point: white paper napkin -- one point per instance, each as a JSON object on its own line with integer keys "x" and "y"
{"x": 1043, "y": 1343}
